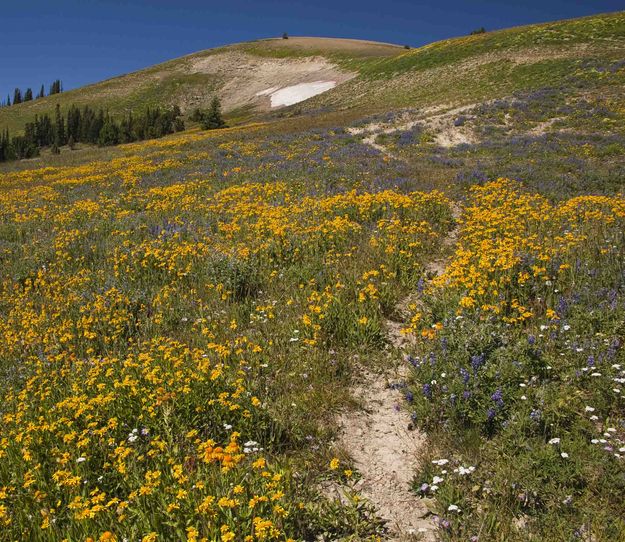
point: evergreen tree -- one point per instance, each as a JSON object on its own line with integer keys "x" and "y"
{"x": 56, "y": 87}
{"x": 5, "y": 146}
{"x": 43, "y": 131}
{"x": 86, "y": 118}
{"x": 197, "y": 115}
{"x": 8, "y": 100}
{"x": 28, "y": 95}
{"x": 30, "y": 133}
{"x": 59, "y": 127}
{"x": 109, "y": 134}
{"x": 73, "y": 123}
{"x": 212, "y": 118}
{"x": 17, "y": 96}
{"x": 97, "y": 127}
{"x": 126, "y": 132}
{"x": 42, "y": 92}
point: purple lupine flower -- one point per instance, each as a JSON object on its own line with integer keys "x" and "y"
{"x": 490, "y": 414}
{"x": 497, "y": 397}
{"x": 531, "y": 340}
{"x": 420, "y": 285}
{"x": 477, "y": 362}
{"x": 427, "y": 390}
{"x": 591, "y": 361}
{"x": 465, "y": 375}
{"x": 409, "y": 396}
{"x": 614, "y": 346}
{"x": 612, "y": 298}
{"x": 466, "y": 394}
{"x": 535, "y": 415}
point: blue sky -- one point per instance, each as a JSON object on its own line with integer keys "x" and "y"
{"x": 84, "y": 41}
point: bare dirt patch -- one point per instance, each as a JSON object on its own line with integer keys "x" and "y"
{"x": 351, "y": 47}
{"x": 385, "y": 448}
{"x": 442, "y": 126}
{"x": 246, "y": 79}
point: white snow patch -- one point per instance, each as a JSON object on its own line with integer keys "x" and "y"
{"x": 297, "y": 93}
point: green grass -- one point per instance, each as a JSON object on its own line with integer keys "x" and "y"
{"x": 599, "y": 31}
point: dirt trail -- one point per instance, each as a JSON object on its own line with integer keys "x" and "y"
{"x": 384, "y": 444}
{"x": 385, "y": 449}
{"x": 437, "y": 266}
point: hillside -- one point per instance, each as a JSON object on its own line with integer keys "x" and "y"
{"x": 368, "y": 76}
{"x": 240, "y": 74}
{"x": 394, "y": 311}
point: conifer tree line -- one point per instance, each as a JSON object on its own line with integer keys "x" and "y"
{"x": 56, "y": 87}
{"x": 98, "y": 127}
{"x": 87, "y": 125}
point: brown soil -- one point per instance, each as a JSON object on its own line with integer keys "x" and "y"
{"x": 245, "y": 75}
{"x": 385, "y": 449}
{"x": 334, "y": 45}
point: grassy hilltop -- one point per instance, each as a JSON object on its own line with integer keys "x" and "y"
{"x": 192, "y": 80}
{"x": 394, "y": 311}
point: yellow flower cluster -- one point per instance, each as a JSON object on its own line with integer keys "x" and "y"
{"x": 518, "y": 253}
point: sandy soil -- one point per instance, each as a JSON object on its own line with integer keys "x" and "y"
{"x": 252, "y": 80}
{"x": 441, "y": 125}
{"x": 334, "y": 45}
{"x": 385, "y": 449}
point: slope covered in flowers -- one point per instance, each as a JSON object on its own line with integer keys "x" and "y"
{"x": 167, "y": 326}
{"x": 181, "y": 320}
{"x": 521, "y": 382}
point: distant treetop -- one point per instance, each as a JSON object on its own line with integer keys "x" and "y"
{"x": 480, "y": 30}
{"x": 18, "y": 97}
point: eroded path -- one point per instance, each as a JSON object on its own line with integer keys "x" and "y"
{"x": 382, "y": 441}
{"x": 385, "y": 449}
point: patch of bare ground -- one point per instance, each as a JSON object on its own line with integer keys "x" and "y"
{"x": 247, "y": 77}
{"x": 307, "y": 44}
{"x": 543, "y": 127}
{"x": 441, "y": 125}
{"x": 437, "y": 266}
{"x": 385, "y": 448}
